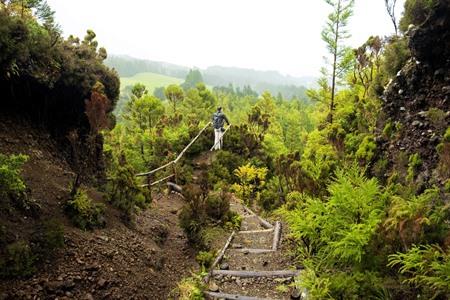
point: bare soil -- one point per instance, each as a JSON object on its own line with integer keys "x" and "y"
{"x": 117, "y": 262}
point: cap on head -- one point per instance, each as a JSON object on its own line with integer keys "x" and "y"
{"x": 219, "y": 108}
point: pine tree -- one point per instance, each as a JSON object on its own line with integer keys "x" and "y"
{"x": 334, "y": 34}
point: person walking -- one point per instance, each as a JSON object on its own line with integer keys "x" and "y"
{"x": 218, "y": 121}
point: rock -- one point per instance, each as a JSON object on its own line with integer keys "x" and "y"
{"x": 68, "y": 284}
{"x": 402, "y": 108}
{"x": 213, "y": 287}
{"x": 53, "y": 286}
{"x": 88, "y": 296}
{"x": 296, "y": 294}
{"x": 265, "y": 263}
{"x": 224, "y": 266}
{"x": 245, "y": 251}
{"x": 238, "y": 282}
{"x": 103, "y": 238}
{"x": 236, "y": 246}
{"x": 416, "y": 123}
{"x": 101, "y": 283}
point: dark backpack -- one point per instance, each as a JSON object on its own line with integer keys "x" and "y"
{"x": 217, "y": 121}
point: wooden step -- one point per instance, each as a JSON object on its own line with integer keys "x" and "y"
{"x": 252, "y": 274}
{"x": 214, "y": 295}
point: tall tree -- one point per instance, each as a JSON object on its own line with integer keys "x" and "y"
{"x": 390, "y": 8}
{"x": 193, "y": 78}
{"x": 334, "y": 34}
{"x": 174, "y": 93}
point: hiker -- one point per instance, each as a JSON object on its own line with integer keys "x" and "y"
{"x": 218, "y": 122}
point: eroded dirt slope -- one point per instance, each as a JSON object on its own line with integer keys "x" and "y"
{"x": 113, "y": 263}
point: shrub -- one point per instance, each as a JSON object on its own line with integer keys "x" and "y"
{"x": 366, "y": 149}
{"x": 416, "y": 12}
{"x": 234, "y": 221}
{"x": 190, "y": 288}
{"x": 205, "y": 259}
{"x": 444, "y": 155}
{"x": 333, "y": 235}
{"x": 251, "y": 181}
{"x": 17, "y": 261}
{"x": 414, "y": 163}
{"x": 426, "y": 267}
{"x": 84, "y": 213}
{"x": 124, "y": 190}
{"x": 272, "y": 197}
{"x": 437, "y": 117}
{"x": 396, "y": 55}
{"x": 11, "y": 183}
{"x": 217, "y": 205}
{"x": 48, "y": 237}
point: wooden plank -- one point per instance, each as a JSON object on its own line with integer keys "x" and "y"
{"x": 263, "y": 222}
{"x": 255, "y": 231}
{"x": 254, "y": 250}
{"x": 252, "y": 274}
{"x": 215, "y": 295}
{"x": 220, "y": 256}
{"x": 276, "y": 236}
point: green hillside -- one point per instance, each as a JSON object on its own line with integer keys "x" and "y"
{"x": 150, "y": 80}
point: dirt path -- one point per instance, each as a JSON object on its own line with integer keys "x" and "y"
{"x": 254, "y": 265}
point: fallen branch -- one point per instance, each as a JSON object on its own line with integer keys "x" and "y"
{"x": 220, "y": 256}
{"x": 276, "y": 236}
{"x": 263, "y": 222}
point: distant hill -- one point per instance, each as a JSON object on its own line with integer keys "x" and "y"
{"x": 260, "y": 81}
{"x": 150, "y": 80}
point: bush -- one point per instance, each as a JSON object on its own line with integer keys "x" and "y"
{"x": 437, "y": 117}
{"x": 426, "y": 267}
{"x": 272, "y": 197}
{"x": 234, "y": 221}
{"x": 48, "y": 237}
{"x": 84, "y": 213}
{"x": 217, "y": 205}
{"x": 190, "y": 288}
{"x": 124, "y": 190}
{"x": 11, "y": 182}
{"x": 17, "y": 261}
{"x": 251, "y": 181}
{"x": 416, "y": 12}
{"x": 205, "y": 259}
{"x": 396, "y": 55}
{"x": 366, "y": 149}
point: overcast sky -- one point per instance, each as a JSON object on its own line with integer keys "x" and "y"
{"x": 282, "y": 35}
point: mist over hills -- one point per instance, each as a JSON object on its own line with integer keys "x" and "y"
{"x": 273, "y": 81}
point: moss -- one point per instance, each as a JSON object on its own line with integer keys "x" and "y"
{"x": 436, "y": 117}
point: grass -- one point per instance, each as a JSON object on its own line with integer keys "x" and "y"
{"x": 150, "y": 80}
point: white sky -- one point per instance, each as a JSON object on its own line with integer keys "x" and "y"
{"x": 282, "y": 35}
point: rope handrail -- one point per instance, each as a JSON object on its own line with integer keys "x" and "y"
{"x": 178, "y": 157}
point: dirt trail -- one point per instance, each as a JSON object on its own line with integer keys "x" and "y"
{"x": 251, "y": 268}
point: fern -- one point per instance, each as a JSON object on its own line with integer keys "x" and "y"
{"x": 426, "y": 266}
